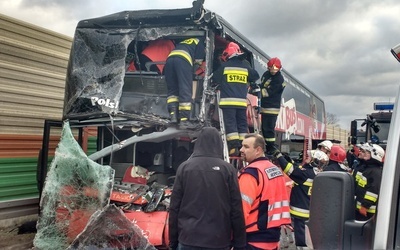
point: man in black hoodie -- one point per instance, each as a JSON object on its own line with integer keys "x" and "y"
{"x": 206, "y": 207}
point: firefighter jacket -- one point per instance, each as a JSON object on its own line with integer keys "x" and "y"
{"x": 367, "y": 185}
{"x": 303, "y": 177}
{"x": 265, "y": 200}
{"x": 206, "y": 208}
{"x": 191, "y": 50}
{"x": 233, "y": 77}
{"x": 335, "y": 166}
{"x": 272, "y": 87}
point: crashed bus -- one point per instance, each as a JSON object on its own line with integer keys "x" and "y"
{"x": 137, "y": 149}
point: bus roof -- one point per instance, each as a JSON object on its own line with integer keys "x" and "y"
{"x": 181, "y": 17}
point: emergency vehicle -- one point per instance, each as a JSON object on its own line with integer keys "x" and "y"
{"x": 375, "y": 127}
{"x": 124, "y": 109}
{"x": 332, "y": 223}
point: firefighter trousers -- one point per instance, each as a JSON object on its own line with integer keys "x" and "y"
{"x": 235, "y": 120}
{"x": 299, "y": 226}
{"x": 268, "y": 122}
{"x": 179, "y": 77}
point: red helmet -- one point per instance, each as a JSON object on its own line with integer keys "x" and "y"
{"x": 275, "y": 61}
{"x": 231, "y": 50}
{"x": 338, "y": 153}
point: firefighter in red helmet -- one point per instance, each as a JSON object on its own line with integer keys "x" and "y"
{"x": 337, "y": 157}
{"x": 272, "y": 86}
{"x": 233, "y": 77}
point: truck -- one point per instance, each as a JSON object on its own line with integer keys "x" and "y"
{"x": 126, "y": 180}
{"x": 375, "y": 127}
{"x": 332, "y": 223}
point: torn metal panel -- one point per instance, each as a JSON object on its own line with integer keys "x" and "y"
{"x": 111, "y": 229}
{"x": 75, "y": 188}
{"x": 167, "y": 134}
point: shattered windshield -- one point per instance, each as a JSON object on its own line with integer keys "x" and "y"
{"x": 97, "y": 65}
{"x": 75, "y": 204}
{"x": 75, "y": 188}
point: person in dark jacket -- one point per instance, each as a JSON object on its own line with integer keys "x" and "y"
{"x": 178, "y": 71}
{"x": 206, "y": 207}
{"x": 303, "y": 176}
{"x": 368, "y": 180}
{"x": 272, "y": 86}
{"x": 233, "y": 77}
{"x": 355, "y": 157}
{"x": 336, "y": 158}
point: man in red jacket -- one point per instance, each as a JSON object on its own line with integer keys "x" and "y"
{"x": 264, "y": 197}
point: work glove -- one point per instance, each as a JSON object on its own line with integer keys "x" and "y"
{"x": 363, "y": 211}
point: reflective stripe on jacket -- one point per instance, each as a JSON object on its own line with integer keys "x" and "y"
{"x": 303, "y": 177}
{"x": 233, "y": 77}
{"x": 183, "y": 54}
{"x": 367, "y": 179}
{"x": 191, "y": 49}
{"x": 270, "y": 209}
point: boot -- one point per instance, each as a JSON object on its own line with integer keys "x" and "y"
{"x": 173, "y": 112}
{"x": 186, "y": 122}
{"x": 192, "y": 114}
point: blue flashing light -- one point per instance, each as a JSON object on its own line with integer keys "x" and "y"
{"x": 383, "y": 106}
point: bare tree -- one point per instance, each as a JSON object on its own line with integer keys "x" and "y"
{"x": 332, "y": 119}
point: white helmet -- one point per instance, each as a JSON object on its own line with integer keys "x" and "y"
{"x": 326, "y": 144}
{"x": 319, "y": 159}
{"x": 376, "y": 151}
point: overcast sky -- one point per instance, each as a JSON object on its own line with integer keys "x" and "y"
{"x": 340, "y": 49}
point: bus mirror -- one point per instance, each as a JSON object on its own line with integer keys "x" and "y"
{"x": 332, "y": 205}
{"x": 396, "y": 52}
{"x": 353, "y": 132}
{"x": 353, "y": 128}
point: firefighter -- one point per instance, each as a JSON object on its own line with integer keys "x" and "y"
{"x": 337, "y": 157}
{"x": 233, "y": 77}
{"x": 178, "y": 73}
{"x": 272, "y": 86}
{"x": 325, "y": 146}
{"x": 368, "y": 177}
{"x": 303, "y": 177}
{"x": 355, "y": 157}
{"x": 206, "y": 210}
{"x": 264, "y": 196}
{"x": 157, "y": 51}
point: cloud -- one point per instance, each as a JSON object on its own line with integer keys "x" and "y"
{"x": 339, "y": 49}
